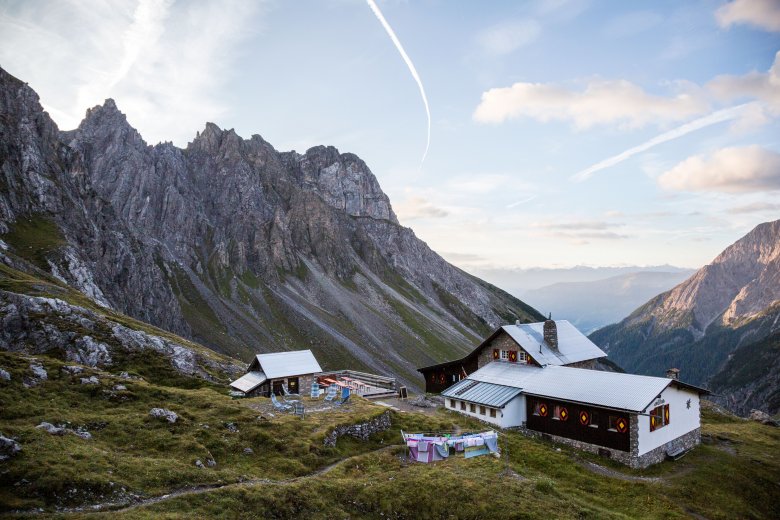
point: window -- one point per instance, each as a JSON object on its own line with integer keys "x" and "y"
{"x": 560, "y": 413}
{"x": 492, "y": 412}
{"x": 454, "y": 378}
{"x": 452, "y": 403}
{"x": 462, "y": 405}
{"x": 481, "y": 410}
{"x": 594, "y": 419}
{"x": 504, "y": 355}
{"x": 522, "y": 357}
{"x": 472, "y": 408}
{"x": 540, "y": 409}
{"x": 618, "y": 424}
{"x": 659, "y": 417}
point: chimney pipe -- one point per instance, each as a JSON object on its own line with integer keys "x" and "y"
{"x": 673, "y": 373}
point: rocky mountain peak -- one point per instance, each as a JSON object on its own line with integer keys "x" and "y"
{"x": 105, "y": 126}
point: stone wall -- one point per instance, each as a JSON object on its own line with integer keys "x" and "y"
{"x": 590, "y": 364}
{"x": 360, "y": 431}
{"x": 630, "y": 458}
{"x": 684, "y": 442}
{"x": 502, "y": 342}
{"x": 623, "y": 457}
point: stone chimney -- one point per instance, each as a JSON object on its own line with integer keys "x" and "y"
{"x": 673, "y": 373}
{"x": 551, "y": 333}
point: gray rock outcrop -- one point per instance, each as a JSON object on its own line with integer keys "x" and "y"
{"x": 5, "y": 375}
{"x": 8, "y": 447}
{"x": 162, "y": 413}
{"x": 51, "y": 429}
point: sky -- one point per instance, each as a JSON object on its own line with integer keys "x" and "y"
{"x": 506, "y": 134}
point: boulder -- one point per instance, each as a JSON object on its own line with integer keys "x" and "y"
{"x": 50, "y": 428}
{"x": 82, "y": 433}
{"x": 38, "y": 371}
{"x": 8, "y": 447}
{"x": 199, "y": 464}
{"x": 249, "y": 451}
{"x": 73, "y": 369}
{"x": 762, "y": 417}
{"x": 5, "y": 375}
{"x": 162, "y": 413}
{"x": 120, "y": 388}
{"x": 211, "y": 463}
{"x": 91, "y": 380}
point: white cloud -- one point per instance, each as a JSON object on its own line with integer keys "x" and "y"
{"x": 756, "y": 207}
{"x": 415, "y": 208}
{"x": 764, "y": 86}
{"x": 733, "y": 169}
{"x": 507, "y": 37}
{"x": 601, "y": 102}
{"x": 165, "y": 64}
{"x": 759, "y": 13}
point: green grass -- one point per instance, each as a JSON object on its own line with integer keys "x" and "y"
{"x": 34, "y": 238}
{"x": 734, "y": 474}
{"x": 140, "y": 453}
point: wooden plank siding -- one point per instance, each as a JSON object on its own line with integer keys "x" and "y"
{"x": 571, "y": 428}
{"x": 440, "y": 377}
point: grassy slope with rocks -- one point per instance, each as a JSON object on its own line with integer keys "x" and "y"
{"x": 134, "y": 456}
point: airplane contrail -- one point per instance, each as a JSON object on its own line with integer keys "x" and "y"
{"x": 527, "y": 199}
{"x": 409, "y": 64}
{"x": 718, "y": 116}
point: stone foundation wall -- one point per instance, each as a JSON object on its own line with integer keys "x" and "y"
{"x": 684, "y": 442}
{"x": 360, "y": 431}
{"x": 629, "y": 458}
{"x": 623, "y": 457}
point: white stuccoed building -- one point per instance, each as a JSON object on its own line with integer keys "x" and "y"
{"x": 637, "y": 420}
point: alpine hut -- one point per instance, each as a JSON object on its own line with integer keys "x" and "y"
{"x": 268, "y": 372}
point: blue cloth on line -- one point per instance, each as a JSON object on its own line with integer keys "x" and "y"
{"x": 443, "y": 451}
{"x": 492, "y": 443}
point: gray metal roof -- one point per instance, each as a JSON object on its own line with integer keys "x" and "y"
{"x": 608, "y": 389}
{"x": 286, "y": 364}
{"x": 573, "y": 345}
{"x": 249, "y": 381}
{"x": 477, "y": 392}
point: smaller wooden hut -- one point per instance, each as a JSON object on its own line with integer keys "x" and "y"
{"x": 268, "y": 372}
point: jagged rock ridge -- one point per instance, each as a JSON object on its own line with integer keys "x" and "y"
{"x": 232, "y": 243}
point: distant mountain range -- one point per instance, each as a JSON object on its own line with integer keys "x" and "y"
{"x": 226, "y": 242}
{"x": 591, "y": 305}
{"x": 721, "y": 326}
{"x": 589, "y": 297}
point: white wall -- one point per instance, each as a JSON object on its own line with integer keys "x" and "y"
{"x": 513, "y": 412}
{"x": 681, "y": 419}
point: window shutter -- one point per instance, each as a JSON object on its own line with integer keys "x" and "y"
{"x": 666, "y": 414}
{"x": 496, "y": 354}
{"x": 652, "y": 423}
